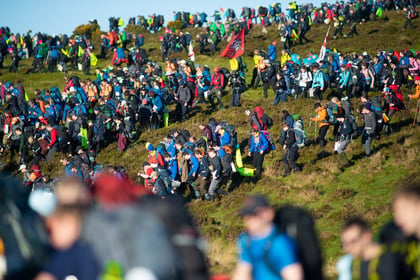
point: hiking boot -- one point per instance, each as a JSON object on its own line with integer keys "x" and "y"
{"x": 209, "y": 197}
{"x": 197, "y": 195}
{"x": 222, "y": 192}
{"x": 286, "y": 171}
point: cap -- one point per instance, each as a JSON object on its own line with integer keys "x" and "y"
{"x": 417, "y": 78}
{"x": 252, "y": 204}
{"x": 21, "y": 167}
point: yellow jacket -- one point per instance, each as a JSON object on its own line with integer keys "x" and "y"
{"x": 256, "y": 60}
{"x": 284, "y": 58}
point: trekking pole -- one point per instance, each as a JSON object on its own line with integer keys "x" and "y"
{"x": 417, "y": 111}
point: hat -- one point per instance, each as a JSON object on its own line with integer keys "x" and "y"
{"x": 252, "y": 204}
{"x": 417, "y": 78}
{"x": 149, "y": 147}
{"x": 21, "y": 167}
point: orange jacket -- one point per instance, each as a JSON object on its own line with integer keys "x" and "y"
{"x": 417, "y": 94}
{"x": 322, "y": 116}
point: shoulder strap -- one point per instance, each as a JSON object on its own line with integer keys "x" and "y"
{"x": 267, "y": 261}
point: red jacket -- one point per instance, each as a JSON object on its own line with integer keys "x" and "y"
{"x": 54, "y": 137}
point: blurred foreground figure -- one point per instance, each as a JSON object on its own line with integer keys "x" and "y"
{"x": 281, "y": 262}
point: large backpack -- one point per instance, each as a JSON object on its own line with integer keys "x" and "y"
{"x": 271, "y": 143}
{"x": 398, "y": 97}
{"x": 22, "y": 234}
{"x": 230, "y": 128}
{"x": 260, "y": 114}
{"x": 355, "y": 76}
{"x": 331, "y": 117}
{"x": 355, "y": 129}
{"x": 299, "y": 225}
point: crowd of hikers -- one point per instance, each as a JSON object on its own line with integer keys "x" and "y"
{"x": 294, "y": 23}
{"x": 136, "y": 95}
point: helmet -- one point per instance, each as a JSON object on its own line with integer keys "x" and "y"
{"x": 216, "y": 69}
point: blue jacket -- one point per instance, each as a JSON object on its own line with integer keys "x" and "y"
{"x": 173, "y": 168}
{"x": 170, "y": 148}
{"x": 258, "y": 143}
{"x": 158, "y": 104}
{"x": 195, "y": 165}
{"x": 272, "y": 52}
{"x": 225, "y": 139}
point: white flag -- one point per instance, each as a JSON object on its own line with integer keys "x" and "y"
{"x": 323, "y": 47}
{"x": 191, "y": 55}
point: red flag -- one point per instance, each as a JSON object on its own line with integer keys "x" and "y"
{"x": 236, "y": 46}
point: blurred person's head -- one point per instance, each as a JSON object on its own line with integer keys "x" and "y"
{"x": 72, "y": 191}
{"x": 64, "y": 226}
{"x": 257, "y": 214}
{"x": 406, "y": 209}
{"x": 356, "y": 235}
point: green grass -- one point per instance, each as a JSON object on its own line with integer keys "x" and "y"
{"x": 332, "y": 195}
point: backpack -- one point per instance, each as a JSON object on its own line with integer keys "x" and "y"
{"x": 76, "y": 81}
{"x": 167, "y": 180}
{"x": 397, "y": 97}
{"x": 267, "y": 121}
{"x": 185, "y": 238}
{"x": 413, "y": 13}
{"x": 354, "y": 127}
{"x": 271, "y": 143}
{"x": 299, "y": 225}
{"x": 299, "y": 137}
{"x": 230, "y": 128}
{"x": 331, "y": 117}
{"x": 22, "y": 233}
{"x": 259, "y": 112}
{"x": 354, "y": 76}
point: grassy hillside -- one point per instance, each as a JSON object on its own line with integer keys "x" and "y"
{"x": 328, "y": 192}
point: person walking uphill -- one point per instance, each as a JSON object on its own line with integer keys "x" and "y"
{"x": 288, "y": 141}
{"x": 258, "y": 145}
{"x": 323, "y": 125}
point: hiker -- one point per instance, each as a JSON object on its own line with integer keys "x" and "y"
{"x": 70, "y": 257}
{"x": 280, "y": 89}
{"x": 368, "y": 130}
{"x": 269, "y": 77}
{"x": 344, "y": 137}
{"x": 288, "y": 141}
{"x": 201, "y": 183}
{"x": 305, "y": 81}
{"x": 216, "y": 173}
{"x": 369, "y": 259}
{"x": 405, "y": 205}
{"x": 282, "y": 262}
{"x": 258, "y": 146}
{"x": 416, "y": 96}
{"x": 323, "y": 125}
{"x": 318, "y": 82}
{"x": 409, "y": 14}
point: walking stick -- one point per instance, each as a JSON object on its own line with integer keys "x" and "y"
{"x": 417, "y": 111}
